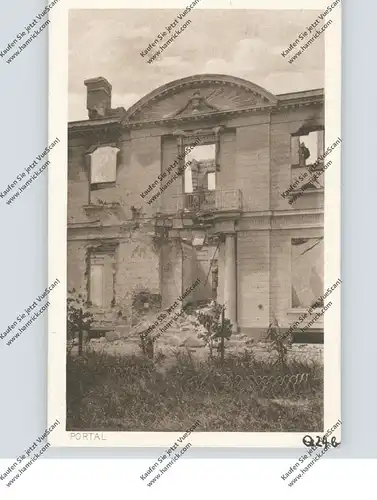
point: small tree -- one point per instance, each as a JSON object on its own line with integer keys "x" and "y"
{"x": 79, "y": 319}
{"x": 146, "y": 345}
{"x": 279, "y": 344}
{"x": 217, "y": 329}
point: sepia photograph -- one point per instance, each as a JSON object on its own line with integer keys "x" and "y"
{"x": 191, "y": 227}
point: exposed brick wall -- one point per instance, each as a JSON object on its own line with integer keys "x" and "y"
{"x": 227, "y": 177}
{"x": 78, "y": 183}
{"x": 169, "y": 201}
{"x": 138, "y": 266}
{"x": 253, "y": 166}
{"x": 280, "y": 165}
{"x": 171, "y": 279}
{"x": 142, "y": 169}
{"x": 280, "y": 291}
{"x": 76, "y": 266}
{"x": 253, "y": 259}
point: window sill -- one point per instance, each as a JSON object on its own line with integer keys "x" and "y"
{"x": 310, "y": 167}
{"x": 297, "y": 193}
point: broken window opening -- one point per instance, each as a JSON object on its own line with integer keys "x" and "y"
{"x": 102, "y": 270}
{"x": 211, "y": 181}
{"x": 200, "y": 175}
{"x": 103, "y": 167}
{"x": 307, "y": 269}
{"x": 96, "y": 284}
{"x": 307, "y": 148}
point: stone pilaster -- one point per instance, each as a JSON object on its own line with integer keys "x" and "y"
{"x": 230, "y": 278}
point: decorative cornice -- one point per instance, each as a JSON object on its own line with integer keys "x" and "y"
{"x": 269, "y": 220}
{"x": 303, "y": 94}
{"x": 95, "y": 230}
{"x": 95, "y": 127}
{"x": 83, "y": 225}
{"x": 301, "y": 99}
{"x": 289, "y": 219}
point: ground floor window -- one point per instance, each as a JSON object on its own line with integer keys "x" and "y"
{"x": 102, "y": 279}
{"x": 307, "y": 272}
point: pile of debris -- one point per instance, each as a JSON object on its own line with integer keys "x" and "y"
{"x": 183, "y": 331}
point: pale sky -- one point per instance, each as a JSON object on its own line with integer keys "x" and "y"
{"x": 246, "y": 44}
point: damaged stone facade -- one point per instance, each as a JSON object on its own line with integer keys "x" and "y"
{"x": 237, "y": 238}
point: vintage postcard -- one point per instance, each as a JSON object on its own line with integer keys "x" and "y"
{"x": 194, "y": 223}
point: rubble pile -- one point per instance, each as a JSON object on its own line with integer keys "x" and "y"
{"x": 183, "y": 332}
{"x": 173, "y": 331}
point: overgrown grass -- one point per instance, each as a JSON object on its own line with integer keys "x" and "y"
{"x": 131, "y": 393}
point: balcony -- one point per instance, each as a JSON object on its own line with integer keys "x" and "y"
{"x": 209, "y": 201}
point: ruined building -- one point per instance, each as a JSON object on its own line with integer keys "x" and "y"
{"x": 222, "y": 211}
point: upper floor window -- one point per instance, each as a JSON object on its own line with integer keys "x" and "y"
{"x": 307, "y": 148}
{"x": 103, "y": 167}
{"x": 201, "y": 174}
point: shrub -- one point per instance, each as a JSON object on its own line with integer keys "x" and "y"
{"x": 79, "y": 319}
{"x": 217, "y": 328}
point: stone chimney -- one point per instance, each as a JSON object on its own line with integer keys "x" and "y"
{"x": 98, "y": 97}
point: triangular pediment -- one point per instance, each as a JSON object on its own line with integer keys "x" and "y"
{"x": 200, "y": 95}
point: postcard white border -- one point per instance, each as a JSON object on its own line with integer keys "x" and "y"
{"x": 57, "y": 231}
